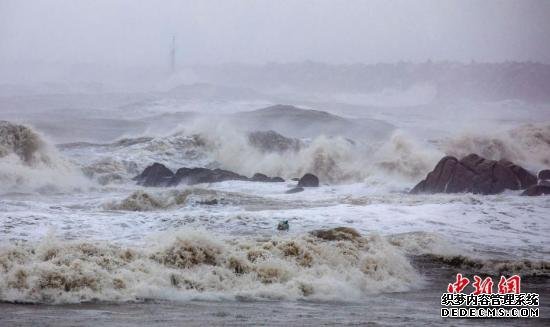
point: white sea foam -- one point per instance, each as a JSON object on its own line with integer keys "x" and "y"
{"x": 194, "y": 264}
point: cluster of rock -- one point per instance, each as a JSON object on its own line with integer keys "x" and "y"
{"x": 159, "y": 175}
{"x": 480, "y": 176}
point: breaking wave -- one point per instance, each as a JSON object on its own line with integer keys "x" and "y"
{"x": 335, "y": 264}
{"x": 147, "y": 201}
{"x": 527, "y": 145}
{"x": 331, "y": 265}
{"x": 399, "y": 160}
{"x": 29, "y": 163}
{"x": 333, "y": 159}
{"x": 193, "y": 196}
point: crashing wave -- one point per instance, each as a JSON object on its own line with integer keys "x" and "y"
{"x": 399, "y": 159}
{"x": 108, "y": 170}
{"x": 402, "y": 156}
{"x": 195, "y": 264}
{"x": 23, "y": 142}
{"x": 271, "y": 141}
{"x": 28, "y": 163}
{"x": 527, "y": 145}
{"x": 174, "y": 198}
{"x": 143, "y": 201}
{"x": 332, "y": 159}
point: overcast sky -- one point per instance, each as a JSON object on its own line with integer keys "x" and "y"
{"x": 129, "y": 32}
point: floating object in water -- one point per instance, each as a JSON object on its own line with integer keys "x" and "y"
{"x": 283, "y": 225}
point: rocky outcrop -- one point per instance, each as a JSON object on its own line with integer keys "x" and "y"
{"x": 159, "y": 175}
{"x": 192, "y": 176}
{"x": 474, "y": 174}
{"x": 544, "y": 174}
{"x": 308, "y": 180}
{"x": 542, "y": 187}
{"x": 155, "y": 175}
{"x": 536, "y": 190}
{"x": 525, "y": 178}
{"x": 258, "y": 177}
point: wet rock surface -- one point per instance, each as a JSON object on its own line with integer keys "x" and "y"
{"x": 159, "y": 175}
{"x": 536, "y": 190}
{"x": 544, "y": 174}
{"x": 475, "y": 174}
{"x": 308, "y": 180}
{"x": 192, "y": 176}
{"x": 155, "y": 175}
{"x": 258, "y": 177}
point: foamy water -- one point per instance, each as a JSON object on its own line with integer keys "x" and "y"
{"x": 74, "y": 227}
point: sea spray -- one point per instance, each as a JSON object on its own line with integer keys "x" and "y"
{"x": 199, "y": 264}
{"x": 526, "y": 145}
{"x": 29, "y": 163}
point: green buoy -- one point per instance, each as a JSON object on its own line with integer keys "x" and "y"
{"x": 283, "y": 225}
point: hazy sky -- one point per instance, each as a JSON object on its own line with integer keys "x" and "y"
{"x": 137, "y": 32}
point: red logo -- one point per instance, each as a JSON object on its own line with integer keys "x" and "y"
{"x": 459, "y": 285}
{"x": 510, "y": 285}
{"x": 485, "y": 286}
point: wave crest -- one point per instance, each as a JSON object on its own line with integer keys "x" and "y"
{"x": 28, "y": 163}
{"x": 195, "y": 264}
{"x": 527, "y": 145}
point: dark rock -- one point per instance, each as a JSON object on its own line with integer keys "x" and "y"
{"x": 525, "y": 178}
{"x": 474, "y": 174}
{"x": 258, "y": 177}
{"x": 295, "y": 190}
{"x": 308, "y": 180}
{"x": 544, "y": 182}
{"x": 336, "y": 234}
{"x": 536, "y": 190}
{"x": 158, "y": 175}
{"x": 544, "y": 174}
{"x": 295, "y": 179}
{"x": 155, "y": 175}
{"x": 191, "y": 176}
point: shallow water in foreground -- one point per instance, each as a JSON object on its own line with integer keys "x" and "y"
{"x": 419, "y": 307}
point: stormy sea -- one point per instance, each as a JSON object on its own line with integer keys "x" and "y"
{"x": 88, "y": 238}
